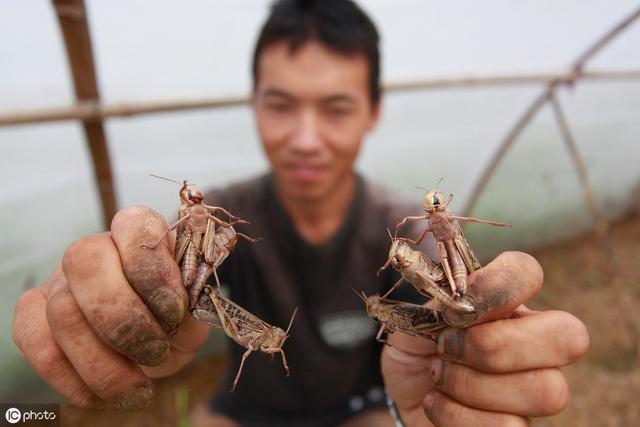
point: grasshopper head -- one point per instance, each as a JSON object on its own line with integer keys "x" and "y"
{"x": 433, "y": 201}
{"x": 399, "y": 251}
{"x": 373, "y": 302}
{"x": 275, "y": 337}
{"x": 193, "y": 194}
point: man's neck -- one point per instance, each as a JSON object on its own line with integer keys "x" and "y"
{"x": 317, "y": 221}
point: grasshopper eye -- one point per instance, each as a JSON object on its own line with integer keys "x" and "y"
{"x": 189, "y": 195}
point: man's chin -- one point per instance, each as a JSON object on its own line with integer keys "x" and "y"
{"x": 302, "y": 191}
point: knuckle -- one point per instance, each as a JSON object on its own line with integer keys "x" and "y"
{"x": 61, "y": 312}
{"x": 78, "y": 252}
{"x": 47, "y": 360}
{"x": 554, "y": 394}
{"x": 485, "y": 344}
{"x": 578, "y": 338}
{"x": 136, "y": 215}
{"x": 132, "y": 213}
{"x": 17, "y": 327}
{"x": 457, "y": 381}
{"x": 527, "y": 265}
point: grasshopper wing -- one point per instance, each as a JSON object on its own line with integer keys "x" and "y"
{"x": 206, "y": 312}
{"x": 183, "y": 237}
{"x": 468, "y": 256}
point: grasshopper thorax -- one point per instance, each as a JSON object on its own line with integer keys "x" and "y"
{"x": 433, "y": 201}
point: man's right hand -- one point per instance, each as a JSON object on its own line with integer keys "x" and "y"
{"x": 103, "y": 323}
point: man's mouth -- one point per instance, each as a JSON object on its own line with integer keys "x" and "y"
{"x": 305, "y": 173}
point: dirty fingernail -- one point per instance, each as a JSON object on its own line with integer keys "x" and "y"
{"x": 168, "y": 307}
{"x": 135, "y": 399}
{"x": 153, "y": 352}
{"x": 437, "y": 368}
{"x": 451, "y": 344}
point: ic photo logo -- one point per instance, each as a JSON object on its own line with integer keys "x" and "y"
{"x": 28, "y": 414}
{"x": 13, "y": 415}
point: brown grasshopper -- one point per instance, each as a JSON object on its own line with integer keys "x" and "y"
{"x": 248, "y": 330}
{"x": 423, "y": 274}
{"x": 398, "y": 316}
{"x": 457, "y": 258}
{"x": 196, "y": 237}
{"x": 225, "y": 239}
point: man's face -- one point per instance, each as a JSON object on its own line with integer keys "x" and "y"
{"x": 313, "y": 110}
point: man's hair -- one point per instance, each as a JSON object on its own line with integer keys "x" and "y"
{"x": 339, "y": 25}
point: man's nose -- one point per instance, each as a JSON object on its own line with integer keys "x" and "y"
{"x": 306, "y": 136}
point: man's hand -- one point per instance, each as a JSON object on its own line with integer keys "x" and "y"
{"x": 499, "y": 371}
{"x": 102, "y": 324}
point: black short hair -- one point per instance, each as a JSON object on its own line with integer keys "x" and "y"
{"x": 340, "y": 25}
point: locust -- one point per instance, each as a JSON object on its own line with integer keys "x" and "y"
{"x": 248, "y": 330}
{"x": 214, "y": 253}
{"x": 456, "y": 257}
{"x": 398, "y": 316}
{"x": 198, "y": 249}
{"x": 425, "y": 275}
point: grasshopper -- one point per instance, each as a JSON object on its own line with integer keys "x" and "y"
{"x": 423, "y": 274}
{"x": 457, "y": 258}
{"x": 398, "y": 316}
{"x": 196, "y": 238}
{"x": 248, "y": 330}
{"x": 224, "y": 240}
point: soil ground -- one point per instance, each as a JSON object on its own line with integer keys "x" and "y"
{"x": 596, "y": 280}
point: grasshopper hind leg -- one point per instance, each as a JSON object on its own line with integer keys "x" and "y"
{"x": 244, "y": 357}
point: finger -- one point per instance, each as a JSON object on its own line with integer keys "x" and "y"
{"x": 153, "y": 273}
{"x": 410, "y": 344}
{"x": 406, "y": 375}
{"x": 499, "y": 288}
{"x": 444, "y": 411}
{"x": 112, "y": 308}
{"x": 534, "y": 393}
{"x": 536, "y": 340}
{"x": 108, "y": 374}
{"x": 184, "y": 345}
{"x": 33, "y": 337}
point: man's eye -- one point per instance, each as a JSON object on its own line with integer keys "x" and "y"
{"x": 278, "y": 107}
{"x": 338, "y": 111}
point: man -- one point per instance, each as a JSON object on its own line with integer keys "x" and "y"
{"x": 96, "y": 329}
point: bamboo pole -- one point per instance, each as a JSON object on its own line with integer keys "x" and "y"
{"x": 576, "y": 73}
{"x": 502, "y": 149}
{"x": 93, "y": 111}
{"x": 599, "y": 224}
{"x": 75, "y": 30}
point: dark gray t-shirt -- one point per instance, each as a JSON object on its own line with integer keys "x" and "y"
{"x": 333, "y": 358}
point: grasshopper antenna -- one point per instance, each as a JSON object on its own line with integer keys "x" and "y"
{"x": 362, "y": 297}
{"x": 438, "y": 183}
{"x": 166, "y": 179}
{"x": 389, "y": 233}
{"x": 291, "y": 321}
